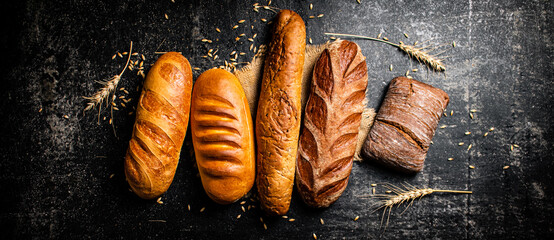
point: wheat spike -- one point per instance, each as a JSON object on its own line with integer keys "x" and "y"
{"x": 108, "y": 89}
{"x": 421, "y": 54}
{"x": 407, "y": 193}
{"x": 257, "y": 6}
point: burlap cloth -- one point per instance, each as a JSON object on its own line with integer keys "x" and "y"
{"x": 250, "y": 76}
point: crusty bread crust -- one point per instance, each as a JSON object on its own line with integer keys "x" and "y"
{"x": 161, "y": 124}
{"x": 331, "y": 124}
{"x": 405, "y": 125}
{"x": 222, "y": 136}
{"x": 279, "y": 112}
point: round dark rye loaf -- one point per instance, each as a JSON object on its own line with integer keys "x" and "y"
{"x": 278, "y": 115}
{"x": 405, "y": 125}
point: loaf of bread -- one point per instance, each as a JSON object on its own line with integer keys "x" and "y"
{"x": 278, "y": 115}
{"x": 405, "y": 125}
{"x": 331, "y": 123}
{"x": 222, "y": 136}
{"x": 161, "y": 124}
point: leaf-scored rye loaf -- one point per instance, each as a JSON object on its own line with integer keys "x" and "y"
{"x": 331, "y": 124}
{"x": 279, "y": 112}
{"x": 161, "y": 124}
{"x": 222, "y": 136}
{"x": 405, "y": 125}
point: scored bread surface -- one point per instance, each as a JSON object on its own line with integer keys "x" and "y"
{"x": 161, "y": 124}
{"x": 405, "y": 124}
{"x": 332, "y": 119}
{"x": 279, "y": 112}
{"x": 223, "y": 136}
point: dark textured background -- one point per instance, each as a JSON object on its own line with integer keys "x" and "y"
{"x": 55, "y": 172}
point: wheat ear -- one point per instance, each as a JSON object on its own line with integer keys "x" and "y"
{"x": 405, "y": 194}
{"x": 257, "y": 6}
{"x": 419, "y": 53}
{"x": 108, "y": 89}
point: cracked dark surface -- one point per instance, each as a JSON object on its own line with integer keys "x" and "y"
{"x": 55, "y": 171}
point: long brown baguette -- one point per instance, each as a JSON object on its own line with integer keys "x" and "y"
{"x": 331, "y": 123}
{"x": 278, "y": 115}
{"x": 223, "y": 136}
{"x": 160, "y": 126}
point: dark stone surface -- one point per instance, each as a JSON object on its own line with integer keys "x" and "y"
{"x": 55, "y": 172}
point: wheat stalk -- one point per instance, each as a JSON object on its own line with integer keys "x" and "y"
{"x": 108, "y": 89}
{"x": 405, "y": 194}
{"x": 421, "y": 54}
{"x": 257, "y": 6}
